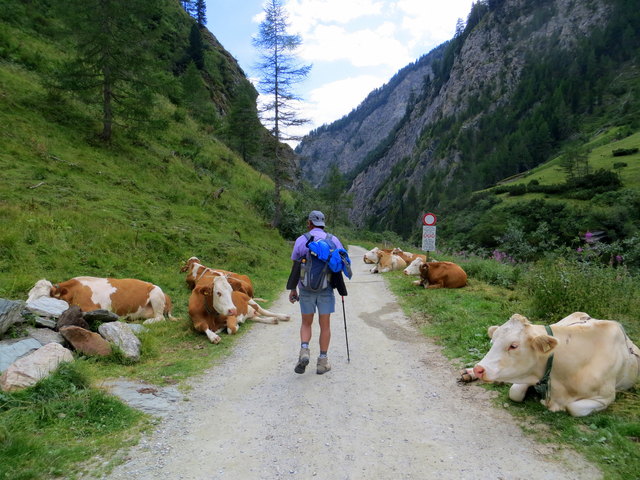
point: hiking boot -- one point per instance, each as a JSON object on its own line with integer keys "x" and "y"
{"x": 323, "y": 365}
{"x": 303, "y": 360}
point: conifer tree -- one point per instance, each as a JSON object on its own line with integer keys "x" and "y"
{"x": 112, "y": 64}
{"x": 201, "y": 13}
{"x": 279, "y": 72}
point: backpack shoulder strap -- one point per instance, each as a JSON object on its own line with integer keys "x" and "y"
{"x": 329, "y": 240}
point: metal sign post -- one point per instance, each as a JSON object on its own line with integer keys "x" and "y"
{"x": 429, "y": 233}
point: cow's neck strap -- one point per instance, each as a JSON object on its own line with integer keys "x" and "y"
{"x": 542, "y": 387}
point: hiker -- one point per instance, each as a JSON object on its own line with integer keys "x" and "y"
{"x": 316, "y": 286}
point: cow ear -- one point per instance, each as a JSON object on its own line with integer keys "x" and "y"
{"x": 491, "y": 330}
{"x": 203, "y": 290}
{"x": 544, "y": 343}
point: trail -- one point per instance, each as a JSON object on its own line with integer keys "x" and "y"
{"x": 393, "y": 412}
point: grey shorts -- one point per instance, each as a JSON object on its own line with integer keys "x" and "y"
{"x": 323, "y": 300}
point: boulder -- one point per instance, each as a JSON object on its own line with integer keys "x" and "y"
{"x": 45, "y": 335}
{"x": 46, "y": 322}
{"x": 86, "y": 342}
{"x": 120, "y": 334}
{"x": 10, "y": 313}
{"x": 47, "y": 306}
{"x": 137, "y": 328}
{"x": 12, "y": 350}
{"x": 100, "y": 316}
{"x": 26, "y": 371}
{"x": 73, "y": 316}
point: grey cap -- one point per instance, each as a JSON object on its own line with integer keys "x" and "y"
{"x": 317, "y": 218}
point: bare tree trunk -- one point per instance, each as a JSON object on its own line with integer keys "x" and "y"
{"x": 107, "y": 97}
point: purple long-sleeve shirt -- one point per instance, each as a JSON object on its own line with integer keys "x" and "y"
{"x": 299, "y": 248}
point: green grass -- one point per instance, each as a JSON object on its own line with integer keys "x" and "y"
{"x": 135, "y": 208}
{"x": 458, "y": 319}
{"x": 51, "y": 429}
{"x": 600, "y": 157}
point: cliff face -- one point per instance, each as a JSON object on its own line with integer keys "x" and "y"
{"x": 348, "y": 141}
{"x": 487, "y": 63}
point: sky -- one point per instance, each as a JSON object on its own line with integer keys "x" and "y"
{"x": 354, "y": 46}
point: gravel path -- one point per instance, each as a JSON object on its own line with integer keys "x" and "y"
{"x": 394, "y": 412}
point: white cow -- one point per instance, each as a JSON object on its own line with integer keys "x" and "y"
{"x": 414, "y": 267}
{"x": 592, "y": 359}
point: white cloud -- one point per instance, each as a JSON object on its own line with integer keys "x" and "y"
{"x": 305, "y": 14}
{"x": 431, "y": 21}
{"x": 361, "y": 48}
{"x": 333, "y": 100}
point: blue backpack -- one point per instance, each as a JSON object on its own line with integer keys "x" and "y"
{"x": 322, "y": 259}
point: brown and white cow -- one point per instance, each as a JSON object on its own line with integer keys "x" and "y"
{"x": 387, "y": 262}
{"x": 207, "y": 319}
{"x": 592, "y": 359}
{"x": 196, "y": 271}
{"x": 371, "y": 257}
{"x": 125, "y": 297}
{"x": 414, "y": 267}
{"x": 408, "y": 256}
{"x": 441, "y": 275}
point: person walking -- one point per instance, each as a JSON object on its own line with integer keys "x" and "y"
{"x": 322, "y": 299}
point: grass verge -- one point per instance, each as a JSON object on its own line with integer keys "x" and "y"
{"x": 458, "y": 320}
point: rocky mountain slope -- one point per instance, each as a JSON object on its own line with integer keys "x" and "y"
{"x": 392, "y": 144}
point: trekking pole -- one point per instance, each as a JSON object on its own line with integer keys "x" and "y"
{"x": 344, "y": 315}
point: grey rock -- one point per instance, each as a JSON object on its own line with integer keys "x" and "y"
{"x": 120, "y": 334}
{"x": 47, "y": 306}
{"x": 12, "y": 350}
{"x": 45, "y": 335}
{"x": 46, "y": 322}
{"x": 137, "y": 328}
{"x": 10, "y": 313}
{"x": 35, "y": 366}
{"x": 73, "y": 316}
{"x": 100, "y": 316}
{"x": 160, "y": 401}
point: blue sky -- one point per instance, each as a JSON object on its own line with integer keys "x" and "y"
{"x": 354, "y": 46}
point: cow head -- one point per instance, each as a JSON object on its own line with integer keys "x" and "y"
{"x": 414, "y": 267}
{"x": 58, "y": 291}
{"x": 424, "y": 272}
{"x": 371, "y": 256}
{"x": 219, "y": 290}
{"x": 188, "y": 264}
{"x": 518, "y": 354}
{"x": 42, "y": 288}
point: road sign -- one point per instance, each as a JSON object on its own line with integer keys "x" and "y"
{"x": 429, "y": 219}
{"x": 429, "y": 238}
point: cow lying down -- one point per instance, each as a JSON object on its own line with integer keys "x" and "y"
{"x": 441, "y": 275}
{"x": 208, "y": 299}
{"x": 591, "y": 360}
{"x": 127, "y": 297}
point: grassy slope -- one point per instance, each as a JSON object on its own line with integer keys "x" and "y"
{"x": 123, "y": 211}
{"x": 600, "y": 157}
{"x": 458, "y": 320}
{"x": 70, "y": 205}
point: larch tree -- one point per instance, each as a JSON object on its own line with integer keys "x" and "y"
{"x": 111, "y": 64}
{"x": 279, "y": 72}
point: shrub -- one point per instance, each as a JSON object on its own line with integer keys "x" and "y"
{"x": 621, "y": 152}
{"x": 557, "y": 287}
{"x": 492, "y": 271}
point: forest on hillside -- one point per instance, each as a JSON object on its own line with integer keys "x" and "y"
{"x": 564, "y": 101}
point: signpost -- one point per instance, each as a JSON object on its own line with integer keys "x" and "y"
{"x": 429, "y": 233}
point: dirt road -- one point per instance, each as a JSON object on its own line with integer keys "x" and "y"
{"x": 394, "y": 412}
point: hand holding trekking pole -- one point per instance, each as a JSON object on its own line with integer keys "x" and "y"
{"x": 345, "y": 329}
{"x": 293, "y": 296}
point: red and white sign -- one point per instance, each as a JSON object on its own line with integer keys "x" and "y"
{"x": 429, "y": 219}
